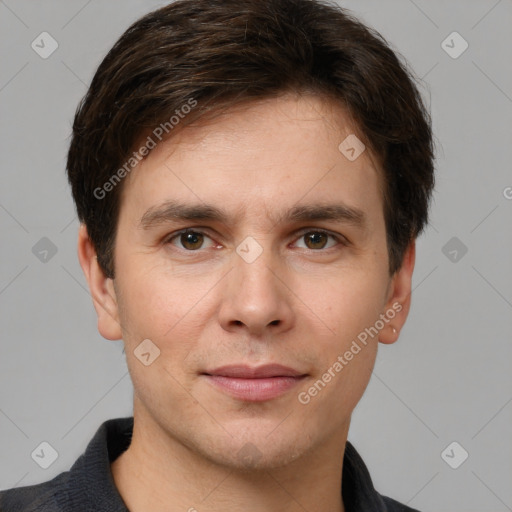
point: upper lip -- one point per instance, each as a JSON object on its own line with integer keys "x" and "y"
{"x": 243, "y": 371}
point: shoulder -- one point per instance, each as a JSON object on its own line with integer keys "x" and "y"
{"x": 43, "y": 497}
{"x": 357, "y": 487}
{"x": 394, "y": 506}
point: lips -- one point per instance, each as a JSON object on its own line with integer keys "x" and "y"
{"x": 254, "y": 384}
{"x": 260, "y": 372}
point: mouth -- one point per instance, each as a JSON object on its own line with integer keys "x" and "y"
{"x": 254, "y": 384}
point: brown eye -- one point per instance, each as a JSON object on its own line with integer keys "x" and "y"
{"x": 316, "y": 240}
{"x": 191, "y": 240}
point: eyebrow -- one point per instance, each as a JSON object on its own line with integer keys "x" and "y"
{"x": 170, "y": 211}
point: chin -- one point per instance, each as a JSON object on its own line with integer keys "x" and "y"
{"x": 255, "y": 451}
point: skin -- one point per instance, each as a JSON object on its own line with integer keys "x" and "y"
{"x": 300, "y": 305}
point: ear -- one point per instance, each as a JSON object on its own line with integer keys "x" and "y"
{"x": 398, "y": 300}
{"x": 101, "y": 287}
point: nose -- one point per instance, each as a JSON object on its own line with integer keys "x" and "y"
{"x": 256, "y": 297}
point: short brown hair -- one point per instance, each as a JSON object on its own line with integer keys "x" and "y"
{"x": 223, "y": 52}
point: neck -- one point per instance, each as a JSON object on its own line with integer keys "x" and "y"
{"x": 159, "y": 473}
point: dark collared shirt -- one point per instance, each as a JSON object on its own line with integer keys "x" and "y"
{"x": 89, "y": 486}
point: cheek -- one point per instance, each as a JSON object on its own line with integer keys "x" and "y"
{"x": 350, "y": 305}
{"x": 355, "y": 375}
{"x": 162, "y": 304}
{"x": 346, "y": 301}
{"x": 332, "y": 395}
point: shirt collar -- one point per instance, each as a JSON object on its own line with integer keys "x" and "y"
{"x": 92, "y": 484}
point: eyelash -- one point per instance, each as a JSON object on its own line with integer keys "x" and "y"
{"x": 339, "y": 239}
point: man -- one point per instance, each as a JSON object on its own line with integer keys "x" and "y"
{"x": 250, "y": 179}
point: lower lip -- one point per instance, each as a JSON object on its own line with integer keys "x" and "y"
{"x": 254, "y": 390}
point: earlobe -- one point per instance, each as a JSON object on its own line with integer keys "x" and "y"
{"x": 101, "y": 288}
{"x": 389, "y": 335}
{"x": 398, "y": 301}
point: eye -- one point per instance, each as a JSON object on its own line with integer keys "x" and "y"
{"x": 318, "y": 239}
{"x": 192, "y": 240}
{"x": 189, "y": 239}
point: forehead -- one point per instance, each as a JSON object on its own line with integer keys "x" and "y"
{"x": 319, "y": 120}
{"x": 268, "y": 153}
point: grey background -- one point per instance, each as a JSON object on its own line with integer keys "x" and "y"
{"x": 449, "y": 376}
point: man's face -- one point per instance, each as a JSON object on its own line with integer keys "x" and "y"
{"x": 256, "y": 288}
